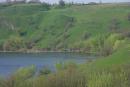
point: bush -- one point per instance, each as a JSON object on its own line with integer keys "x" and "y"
{"x": 14, "y": 44}
{"x": 25, "y": 73}
{"x": 44, "y": 71}
{"x": 86, "y": 35}
{"x": 111, "y": 43}
{"x": 114, "y": 25}
{"x": 1, "y": 45}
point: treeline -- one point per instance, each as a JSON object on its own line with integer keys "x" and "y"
{"x": 60, "y": 4}
{"x": 22, "y": 1}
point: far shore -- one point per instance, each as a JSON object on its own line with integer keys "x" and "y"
{"x": 37, "y": 51}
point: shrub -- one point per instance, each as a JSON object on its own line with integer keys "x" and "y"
{"x": 13, "y": 44}
{"x": 86, "y": 35}
{"x": 59, "y": 66}
{"x": 114, "y": 25}
{"x": 44, "y": 71}
{"x": 25, "y": 73}
{"x": 118, "y": 44}
{"x": 110, "y": 43}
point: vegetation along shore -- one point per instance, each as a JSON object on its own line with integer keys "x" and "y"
{"x": 98, "y": 28}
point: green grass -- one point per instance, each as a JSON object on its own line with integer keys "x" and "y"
{"x": 26, "y": 24}
{"x": 118, "y": 58}
{"x": 50, "y": 25}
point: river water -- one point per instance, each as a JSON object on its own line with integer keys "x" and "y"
{"x": 10, "y": 62}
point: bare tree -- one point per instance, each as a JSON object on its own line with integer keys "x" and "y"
{"x": 8, "y": 1}
{"x": 19, "y": 1}
{"x": 61, "y": 3}
{"x": 100, "y": 2}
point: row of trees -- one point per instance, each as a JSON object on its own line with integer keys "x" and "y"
{"x": 23, "y": 1}
{"x": 61, "y": 2}
{"x": 11, "y": 2}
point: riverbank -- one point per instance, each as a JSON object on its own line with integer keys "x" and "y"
{"x": 11, "y": 62}
{"x": 111, "y": 71}
{"x": 49, "y": 51}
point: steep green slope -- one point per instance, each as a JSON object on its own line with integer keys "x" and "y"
{"x": 59, "y": 29}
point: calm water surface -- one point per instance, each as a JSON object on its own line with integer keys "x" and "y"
{"x": 10, "y": 62}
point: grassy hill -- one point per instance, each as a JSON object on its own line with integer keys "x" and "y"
{"x": 59, "y": 29}
{"x": 102, "y": 29}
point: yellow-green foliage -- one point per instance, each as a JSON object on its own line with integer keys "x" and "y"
{"x": 14, "y": 43}
{"x": 102, "y": 44}
{"x": 100, "y": 80}
{"x": 25, "y": 72}
{"x": 118, "y": 44}
{"x": 110, "y": 41}
{"x": 109, "y": 77}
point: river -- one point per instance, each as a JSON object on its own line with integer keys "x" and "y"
{"x": 10, "y": 62}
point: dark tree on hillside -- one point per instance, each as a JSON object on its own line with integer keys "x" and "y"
{"x": 129, "y": 17}
{"x": 34, "y": 1}
{"x": 61, "y": 3}
{"x": 24, "y": 1}
{"x": 8, "y": 1}
{"x": 92, "y": 3}
{"x": 46, "y": 5}
{"x": 18, "y": 1}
